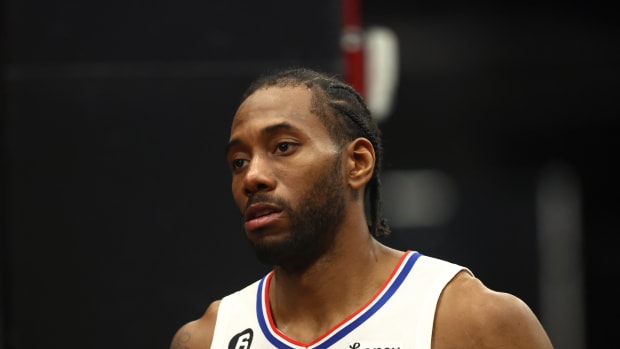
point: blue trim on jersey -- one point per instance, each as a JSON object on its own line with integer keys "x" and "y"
{"x": 375, "y": 307}
{"x": 262, "y": 319}
{"x": 348, "y": 328}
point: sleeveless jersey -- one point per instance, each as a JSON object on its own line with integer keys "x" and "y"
{"x": 399, "y": 316}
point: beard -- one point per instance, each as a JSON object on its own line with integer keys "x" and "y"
{"x": 314, "y": 223}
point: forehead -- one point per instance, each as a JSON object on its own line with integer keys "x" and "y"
{"x": 273, "y": 105}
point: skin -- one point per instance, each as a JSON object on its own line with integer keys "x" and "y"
{"x": 311, "y": 294}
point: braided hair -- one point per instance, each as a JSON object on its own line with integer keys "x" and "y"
{"x": 346, "y": 116}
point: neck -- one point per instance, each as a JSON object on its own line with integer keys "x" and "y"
{"x": 337, "y": 285}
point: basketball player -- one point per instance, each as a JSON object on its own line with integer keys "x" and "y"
{"x": 305, "y": 156}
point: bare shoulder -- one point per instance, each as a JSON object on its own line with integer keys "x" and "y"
{"x": 197, "y": 334}
{"x": 470, "y": 315}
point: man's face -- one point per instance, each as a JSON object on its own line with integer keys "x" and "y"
{"x": 286, "y": 177}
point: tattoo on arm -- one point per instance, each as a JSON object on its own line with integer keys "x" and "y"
{"x": 182, "y": 340}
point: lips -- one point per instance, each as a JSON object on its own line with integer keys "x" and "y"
{"x": 259, "y": 210}
{"x": 260, "y": 215}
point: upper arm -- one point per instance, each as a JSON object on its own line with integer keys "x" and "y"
{"x": 474, "y": 316}
{"x": 197, "y": 334}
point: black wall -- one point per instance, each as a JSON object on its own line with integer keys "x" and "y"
{"x": 120, "y": 225}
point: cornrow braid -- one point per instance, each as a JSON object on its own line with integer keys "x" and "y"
{"x": 346, "y": 116}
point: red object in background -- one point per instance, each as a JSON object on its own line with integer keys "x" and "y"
{"x": 352, "y": 44}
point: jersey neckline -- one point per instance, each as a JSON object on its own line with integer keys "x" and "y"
{"x": 281, "y": 341}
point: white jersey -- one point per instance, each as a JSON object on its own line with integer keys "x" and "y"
{"x": 399, "y": 316}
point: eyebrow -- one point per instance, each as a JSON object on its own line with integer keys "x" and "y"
{"x": 265, "y": 131}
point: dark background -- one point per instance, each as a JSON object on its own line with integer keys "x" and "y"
{"x": 118, "y": 225}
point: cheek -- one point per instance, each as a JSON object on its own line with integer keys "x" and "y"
{"x": 302, "y": 179}
{"x": 294, "y": 179}
{"x": 236, "y": 188}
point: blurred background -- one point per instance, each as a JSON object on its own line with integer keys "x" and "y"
{"x": 118, "y": 225}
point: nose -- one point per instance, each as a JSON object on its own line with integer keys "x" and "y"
{"x": 258, "y": 177}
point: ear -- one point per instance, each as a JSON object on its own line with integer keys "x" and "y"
{"x": 360, "y": 162}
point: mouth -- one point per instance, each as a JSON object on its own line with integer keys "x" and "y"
{"x": 259, "y": 210}
{"x": 260, "y": 215}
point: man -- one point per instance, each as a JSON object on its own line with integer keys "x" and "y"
{"x": 305, "y": 156}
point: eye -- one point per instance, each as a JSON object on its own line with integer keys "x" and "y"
{"x": 285, "y": 147}
{"x": 282, "y": 147}
{"x": 237, "y": 163}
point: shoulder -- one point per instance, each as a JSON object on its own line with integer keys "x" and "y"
{"x": 197, "y": 334}
{"x": 474, "y": 316}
